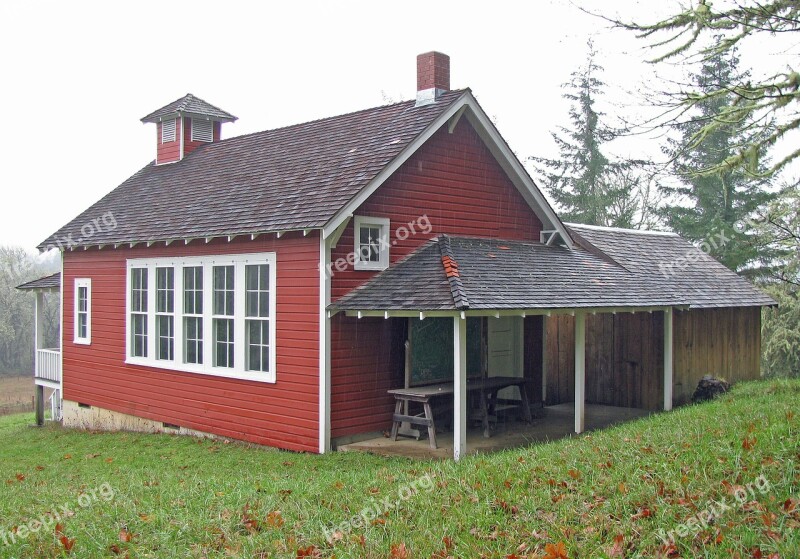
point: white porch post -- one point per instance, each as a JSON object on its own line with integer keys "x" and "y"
{"x": 460, "y": 384}
{"x": 668, "y": 359}
{"x": 580, "y": 370}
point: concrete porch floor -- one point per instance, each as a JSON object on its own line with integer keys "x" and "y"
{"x": 557, "y": 422}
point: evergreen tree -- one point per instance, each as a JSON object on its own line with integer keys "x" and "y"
{"x": 709, "y": 208}
{"x": 587, "y": 186}
{"x": 770, "y": 104}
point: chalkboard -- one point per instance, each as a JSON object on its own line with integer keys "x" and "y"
{"x": 432, "y": 349}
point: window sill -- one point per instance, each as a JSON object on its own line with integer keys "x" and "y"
{"x": 82, "y": 341}
{"x": 376, "y": 267}
{"x": 202, "y": 370}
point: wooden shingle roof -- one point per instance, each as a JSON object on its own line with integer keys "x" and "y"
{"x": 677, "y": 264}
{"x": 51, "y": 282}
{"x": 189, "y": 104}
{"x": 289, "y": 178}
{"x": 461, "y": 273}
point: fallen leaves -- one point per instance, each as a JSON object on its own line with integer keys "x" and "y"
{"x": 556, "y": 551}
{"x": 399, "y": 551}
{"x": 748, "y": 443}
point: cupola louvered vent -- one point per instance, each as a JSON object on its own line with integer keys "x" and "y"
{"x": 202, "y": 130}
{"x": 168, "y": 131}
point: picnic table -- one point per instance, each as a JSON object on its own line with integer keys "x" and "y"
{"x": 487, "y": 387}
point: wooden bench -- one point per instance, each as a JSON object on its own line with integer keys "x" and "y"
{"x": 486, "y": 387}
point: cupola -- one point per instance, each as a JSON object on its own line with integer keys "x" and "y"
{"x": 184, "y": 125}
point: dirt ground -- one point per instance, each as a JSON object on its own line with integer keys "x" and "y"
{"x": 16, "y": 394}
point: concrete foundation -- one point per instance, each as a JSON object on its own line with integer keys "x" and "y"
{"x": 93, "y": 418}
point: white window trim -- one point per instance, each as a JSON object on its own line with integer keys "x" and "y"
{"x": 239, "y": 261}
{"x": 194, "y": 138}
{"x": 87, "y": 283}
{"x": 382, "y": 222}
{"x": 165, "y": 139}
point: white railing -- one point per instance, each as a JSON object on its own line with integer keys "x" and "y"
{"x": 48, "y": 364}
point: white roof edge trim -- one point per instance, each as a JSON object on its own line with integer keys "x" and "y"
{"x": 508, "y": 161}
{"x": 622, "y": 230}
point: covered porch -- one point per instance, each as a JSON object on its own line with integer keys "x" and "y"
{"x": 47, "y": 361}
{"x": 493, "y": 302}
{"x": 550, "y": 424}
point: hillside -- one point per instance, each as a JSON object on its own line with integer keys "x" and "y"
{"x": 712, "y": 480}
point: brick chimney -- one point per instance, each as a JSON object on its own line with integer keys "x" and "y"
{"x": 184, "y": 125}
{"x": 433, "y": 76}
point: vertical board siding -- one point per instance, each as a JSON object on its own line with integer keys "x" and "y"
{"x": 625, "y": 354}
{"x": 724, "y": 342}
{"x": 284, "y": 414}
{"x": 455, "y": 181}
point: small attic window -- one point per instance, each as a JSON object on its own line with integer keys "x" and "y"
{"x": 168, "y": 131}
{"x": 202, "y": 130}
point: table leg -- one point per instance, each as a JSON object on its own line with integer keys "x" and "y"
{"x": 398, "y": 405}
{"x": 526, "y": 408}
{"x": 431, "y": 426}
{"x": 485, "y": 411}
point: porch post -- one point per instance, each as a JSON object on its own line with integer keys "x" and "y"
{"x": 668, "y": 359}
{"x": 580, "y": 370}
{"x": 38, "y": 336}
{"x": 544, "y": 358}
{"x": 460, "y": 384}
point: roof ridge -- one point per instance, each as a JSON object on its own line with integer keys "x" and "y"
{"x": 450, "y": 265}
{"x": 333, "y": 117}
{"x": 622, "y": 229}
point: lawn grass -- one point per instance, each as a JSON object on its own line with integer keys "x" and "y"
{"x": 605, "y": 494}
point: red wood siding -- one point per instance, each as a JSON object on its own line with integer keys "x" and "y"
{"x": 170, "y": 151}
{"x": 284, "y": 414}
{"x": 454, "y": 181}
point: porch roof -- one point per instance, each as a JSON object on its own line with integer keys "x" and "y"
{"x": 48, "y": 283}
{"x": 679, "y": 265}
{"x": 462, "y": 273}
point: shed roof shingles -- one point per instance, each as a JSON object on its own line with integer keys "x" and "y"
{"x": 288, "y": 178}
{"x": 498, "y": 274}
{"x": 676, "y": 264}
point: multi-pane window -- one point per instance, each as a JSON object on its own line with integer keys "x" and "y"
{"x": 257, "y": 313}
{"x": 212, "y": 315}
{"x": 193, "y": 314}
{"x": 165, "y": 317}
{"x": 371, "y": 243}
{"x": 138, "y": 324}
{"x": 223, "y": 316}
{"x": 83, "y": 305}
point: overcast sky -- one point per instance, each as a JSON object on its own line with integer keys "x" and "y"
{"x": 78, "y": 76}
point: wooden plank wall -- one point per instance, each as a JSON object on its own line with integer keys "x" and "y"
{"x": 722, "y": 342}
{"x": 625, "y": 354}
{"x": 624, "y": 359}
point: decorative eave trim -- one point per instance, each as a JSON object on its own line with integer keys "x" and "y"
{"x": 497, "y": 313}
